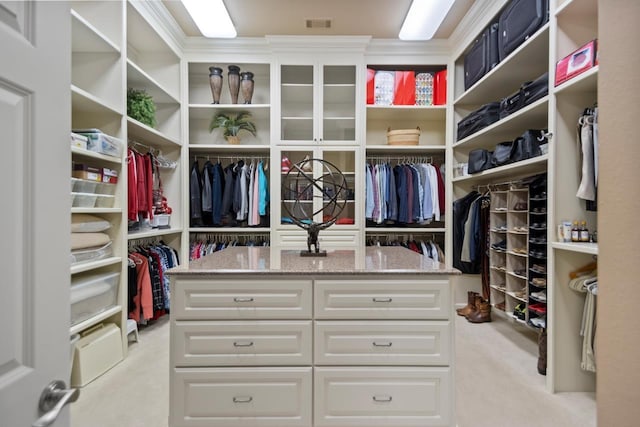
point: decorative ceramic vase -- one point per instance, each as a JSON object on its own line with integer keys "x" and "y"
{"x": 215, "y": 81}
{"x": 246, "y": 84}
{"x": 234, "y": 82}
{"x": 233, "y": 139}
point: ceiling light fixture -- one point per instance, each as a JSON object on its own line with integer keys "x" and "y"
{"x": 211, "y": 17}
{"x": 423, "y": 19}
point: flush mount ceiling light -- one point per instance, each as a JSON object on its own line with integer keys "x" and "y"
{"x": 423, "y": 19}
{"x": 211, "y": 17}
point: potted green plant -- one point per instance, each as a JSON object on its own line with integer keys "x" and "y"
{"x": 140, "y": 107}
{"x": 232, "y": 125}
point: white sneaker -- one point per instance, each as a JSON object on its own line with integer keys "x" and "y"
{"x": 538, "y": 322}
{"x": 540, "y": 296}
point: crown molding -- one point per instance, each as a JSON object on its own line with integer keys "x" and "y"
{"x": 382, "y": 51}
{"x": 312, "y": 44}
{"x": 252, "y": 49}
{"x": 482, "y": 12}
{"x": 160, "y": 18}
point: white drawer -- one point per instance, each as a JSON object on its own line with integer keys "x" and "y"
{"x": 382, "y": 299}
{"x": 241, "y": 397}
{"x": 242, "y": 343}
{"x": 382, "y": 343}
{"x": 241, "y": 299}
{"x": 390, "y": 397}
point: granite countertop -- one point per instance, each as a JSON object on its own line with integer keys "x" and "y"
{"x": 279, "y": 261}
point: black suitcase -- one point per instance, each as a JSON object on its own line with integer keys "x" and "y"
{"x": 518, "y": 21}
{"x": 479, "y": 119}
{"x": 482, "y": 57}
{"x": 528, "y": 93}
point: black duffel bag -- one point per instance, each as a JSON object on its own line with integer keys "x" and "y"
{"x": 479, "y": 160}
{"x": 528, "y": 93}
{"x": 479, "y": 119}
{"x": 528, "y": 145}
{"x": 502, "y": 154}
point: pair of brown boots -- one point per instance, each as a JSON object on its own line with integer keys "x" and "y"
{"x": 477, "y": 310}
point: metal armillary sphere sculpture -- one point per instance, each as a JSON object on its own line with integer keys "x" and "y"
{"x": 300, "y": 186}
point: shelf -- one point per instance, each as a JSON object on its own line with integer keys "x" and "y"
{"x": 92, "y": 265}
{"x": 239, "y": 148}
{"x": 95, "y": 319}
{"x": 229, "y": 230}
{"x": 502, "y": 290}
{"x": 87, "y": 38}
{"x": 513, "y": 294}
{"x": 153, "y": 233}
{"x": 582, "y": 83}
{"x": 296, "y": 118}
{"x": 525, "y": 167}
{"x": 528, "y": 61}
{"x": 407, "y": 112}
{"x": 149, "y": 135}
{"x": 400, "y": 230}
{"x": 97, "y": 210}
{"x": 517, "y": 254}
{"x": 85, "y": 102}
{"x": 206, "y": 111}
{"x": 534, "y": 116}
{"x": 137, "y": 78}
{"x": 511, "y": 273}
{"x": 585, "y": 248}
{"x": 405, "y": 148}
{"x": 93, "y": 155}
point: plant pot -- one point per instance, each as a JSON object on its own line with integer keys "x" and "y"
{"x": 246, "y": 84}
{"x": 234, "y": 82}
{"x": 234, "y": 140}
{"x": 215, "y": 81}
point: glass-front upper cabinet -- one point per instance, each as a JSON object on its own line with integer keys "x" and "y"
{"x": 317, "y": 104}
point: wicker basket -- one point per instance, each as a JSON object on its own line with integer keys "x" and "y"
{"x": 403, "y": 136}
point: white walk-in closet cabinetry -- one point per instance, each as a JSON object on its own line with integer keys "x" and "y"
{"x": 572, "y": 23}
{"x": 120, "y": 45}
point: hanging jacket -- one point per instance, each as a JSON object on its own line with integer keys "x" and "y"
{"x": 195, "y": 195}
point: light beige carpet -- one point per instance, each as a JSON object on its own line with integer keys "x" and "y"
{"x": 497, "y": 384}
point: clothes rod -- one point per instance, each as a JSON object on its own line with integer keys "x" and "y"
{"x": 409, "y": 159}
{"x": 209, "y": 157}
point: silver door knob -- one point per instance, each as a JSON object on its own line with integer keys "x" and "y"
{"x": 53, "y": 398}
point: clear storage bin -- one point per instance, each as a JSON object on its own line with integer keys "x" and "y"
{"x": 83, "y": 186}
{"x": 92, "y": 294}
{"x": 105, "y": 188}
{"x": 104, "y": 201}
{"x": 102, "y": 143}
{"x": 91, "y": 254}
{"x": 83, "y": 200}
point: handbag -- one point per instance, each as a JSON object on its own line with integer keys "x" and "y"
{"x": 527, "y": 145}
{"x": 479, "y": 160}
{"x": 502, "y": 154}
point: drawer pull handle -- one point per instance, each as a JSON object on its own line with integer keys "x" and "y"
{"x": 243, "y": 344}
{"x": 382, "y": 344}
{"x": 382, "y": 398}
{"x": 382, "y": 299}
{"x": 242, "y": 399}
{"x": 238, "y": 299}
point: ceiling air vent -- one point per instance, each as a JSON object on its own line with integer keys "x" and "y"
{"x": 318, "y": 23}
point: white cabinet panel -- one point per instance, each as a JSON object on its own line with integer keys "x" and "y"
{"x": 382, "y": 343}
{"x": 392, "y": 299}
{"x": 241, "y": 299}
{"x": 253, "y": 343}
{"x": 244, "y": 397}
{"x": 393, "y": 397}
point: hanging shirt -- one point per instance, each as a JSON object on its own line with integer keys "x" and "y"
{"x": 263, "y": 191}
{"x": 369, "y": 193}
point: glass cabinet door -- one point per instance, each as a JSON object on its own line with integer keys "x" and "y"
{"x": 338, "y": 199}
{"x": 296, "y": 103}
{"x": 338, "y": 103}
{"x": 296, "y": 186}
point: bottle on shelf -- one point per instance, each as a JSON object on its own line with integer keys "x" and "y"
{"x": 575, "y": 232}
{"x": 584, "y": 232}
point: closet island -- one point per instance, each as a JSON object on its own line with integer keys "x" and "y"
{"x": 261, "y": 336}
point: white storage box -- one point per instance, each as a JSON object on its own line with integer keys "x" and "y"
{"x": 161, "y": 221}
{"x": 102, "y": 143}
{"x": 92, "y": 294}
{"x": 79, "y": 141}
{"x": 99, "y": 350}
{"x": 83, "y": 200}
{"x": 91, "y": 254}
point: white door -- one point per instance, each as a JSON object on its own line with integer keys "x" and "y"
{"x": 35, "y": 46}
